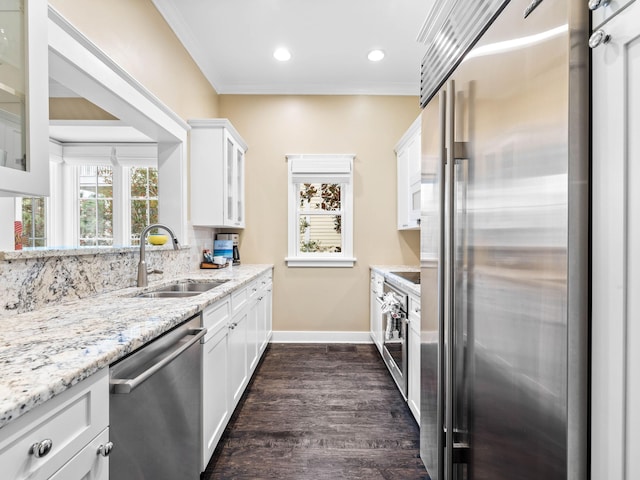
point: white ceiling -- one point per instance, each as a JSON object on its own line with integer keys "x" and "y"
{"x": 232, "y": 41}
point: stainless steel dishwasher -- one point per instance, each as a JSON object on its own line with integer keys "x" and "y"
{"x": 155, "y": 408}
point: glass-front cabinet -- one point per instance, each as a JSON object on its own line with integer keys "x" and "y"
{"x": 234, "y": 213}
{"x": 217, "y": 174}
{"x": 24, "y": 93}
{"x": 408, "y": 163}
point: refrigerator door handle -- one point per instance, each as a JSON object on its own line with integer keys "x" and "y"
{"x": 450, "y": 279}
{"x": 442, "y": 274}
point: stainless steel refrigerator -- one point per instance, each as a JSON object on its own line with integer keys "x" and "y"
{"x": 505, "y": 241}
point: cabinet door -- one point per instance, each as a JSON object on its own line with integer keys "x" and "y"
{"x": 239, "y": 188}
{"x": 88, "y": 464}
{"x": 234, "y": 188}
{"x": 413, "y": 394}
{"x": 253, "y": 343}
{"x": 409, "y": 164}
{"x": 373, "y": 332}
{"x": 238, "y": 356}
{"x": 264, "y": 317}
{"x": 268, "y": 313}
{"x": 615, "y": 392}
{"x": 215, "y": 392}
{"x": 376, "y": 310}
{"x": 414, "y": 182}
{"x": 402, "y": 192}
{"x": 24, "y": 115}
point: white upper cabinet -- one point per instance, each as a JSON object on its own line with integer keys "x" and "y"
{"x": 217, "y": 174}
{"x": 24, "y": 98}
{"x": 408, "y": 158}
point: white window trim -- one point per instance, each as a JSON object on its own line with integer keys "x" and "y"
{"x": 321, "y": 169}
{"x": 121, "y": 157}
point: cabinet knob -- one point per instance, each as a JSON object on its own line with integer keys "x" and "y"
{"x": 598, "y": 38}
{"x": 105, "y": 449}
{"x": 42, "y": 448}
{"x": 596, "y": 4}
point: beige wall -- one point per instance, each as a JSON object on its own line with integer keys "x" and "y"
{"x": 331, "y": 299}
{"x": 135, "y": 35}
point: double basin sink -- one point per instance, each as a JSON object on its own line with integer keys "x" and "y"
{"x": 186, "y": 288}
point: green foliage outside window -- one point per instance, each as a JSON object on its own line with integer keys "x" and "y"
{"x": 33, "y": 222}
{"x": 325, "y": 197}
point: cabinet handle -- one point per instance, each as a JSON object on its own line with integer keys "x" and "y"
{"x": 233, "y": 325}
{"x": 105, "y": 449}
{"x": 42, "y": 448}
{"x": 599, "y": 37}
{"x": 596, "y": 4}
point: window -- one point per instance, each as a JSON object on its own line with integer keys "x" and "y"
{"x": 33, "y": 217}
{"x": 101, "y": 195}
{"x": 95, "y": 203}
{"x": 320, "y": 211}
{"x": 143, "y": 182}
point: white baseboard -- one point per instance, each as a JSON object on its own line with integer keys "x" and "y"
{"x": 283, "y": 336}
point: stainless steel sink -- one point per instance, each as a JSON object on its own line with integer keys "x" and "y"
{"x": 167, "y": 294}
{"x": 187, "y": 288}
{"x": 191, "y": 286}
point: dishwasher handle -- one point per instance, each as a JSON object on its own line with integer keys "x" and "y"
{"x": 127, "y": 385}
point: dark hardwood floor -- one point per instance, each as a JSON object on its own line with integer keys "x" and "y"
{"x": 320, "y": 412}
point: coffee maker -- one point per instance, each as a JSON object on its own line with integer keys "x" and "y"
{"x": 235, "y": 237}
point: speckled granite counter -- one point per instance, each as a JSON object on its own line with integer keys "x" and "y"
{"x": 386, "y": 271}
{"x": 44, "y": 352}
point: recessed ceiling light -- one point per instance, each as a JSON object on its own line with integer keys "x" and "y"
{"x": 282, "y": 54}
{"x": 375, "y": 55}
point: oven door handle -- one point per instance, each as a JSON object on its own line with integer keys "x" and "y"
{"x": 128, "y": 385}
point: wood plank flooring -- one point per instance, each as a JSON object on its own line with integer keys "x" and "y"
{"x": 320, "y": 411}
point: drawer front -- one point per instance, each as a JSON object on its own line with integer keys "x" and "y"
{"x": 241, "y": 297}
{"x": 265, "y": 281}
{"x": 69, "y": 421}
{"x": 216, "y": 316}
{"x": 87, "y": 464}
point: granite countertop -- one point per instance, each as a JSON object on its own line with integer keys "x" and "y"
{"x": 44, "y": 352}
{"x": 386, "y": 271}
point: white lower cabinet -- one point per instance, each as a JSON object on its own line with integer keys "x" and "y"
{"x": 215, "y": 376}
{"x": 375, "y": 309}
{"x": 67, "y": 431}
{"x": 413, "y": 394}
{"x": 253, "y": 334}
{"x": 238, "y": 371}
{"x": 238, "y": 331}
{"x": 265, "y": 302}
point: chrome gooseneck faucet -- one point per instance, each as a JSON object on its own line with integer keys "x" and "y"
{"x": 142, "y": 266}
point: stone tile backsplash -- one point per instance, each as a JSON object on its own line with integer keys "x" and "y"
{"x": 29, "y": 282}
